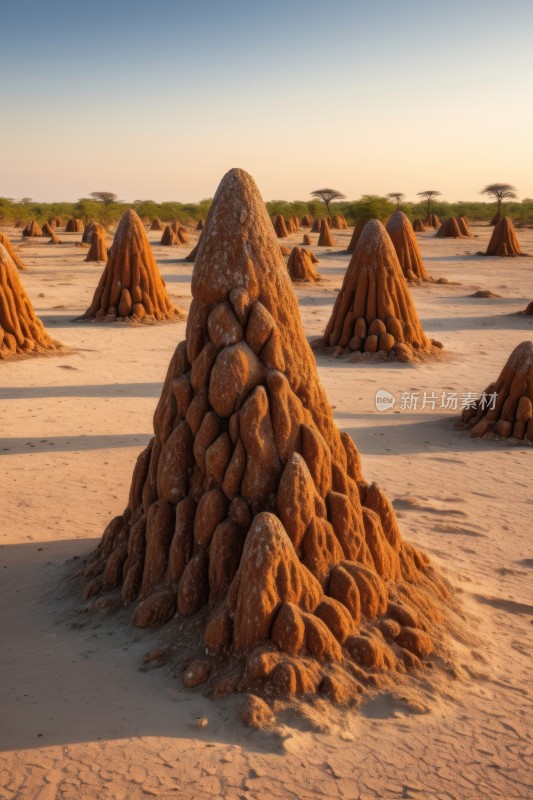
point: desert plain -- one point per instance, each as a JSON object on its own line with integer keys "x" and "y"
{"x": 84, "y": 717}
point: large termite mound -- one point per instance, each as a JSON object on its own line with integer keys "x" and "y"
{"x": 503, "y": 241}
{"x": 450, "y": 229}
{"x": 74, "y": 225}
{"x": 325, "y": 240}
{"x": 98, "y": 247}
{"x": 505, "y": 409}
{"x": 248, "y": 512}
{"x": 418, "y": 225}
{"x": 131, "y": 287}
{"x": 280, "y": 227}
{"x": 300, "y": 266}
{"x": 374, "y": 311}
{"x": 13, "y": 256}
{"x": 404, "y": 240}
{"x": 32, "y": 229}
{"x": 21, "y": 331}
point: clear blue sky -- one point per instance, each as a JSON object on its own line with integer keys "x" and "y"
{"x": 157, "y": 99}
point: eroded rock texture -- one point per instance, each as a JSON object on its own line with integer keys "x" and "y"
{"x": 248, "y": 510}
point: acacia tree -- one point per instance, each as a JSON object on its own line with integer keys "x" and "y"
{"x": 398, "y": 196}
{"x": 428, "y": 195}
{"x": 105, "y": 197}
{"x": 328, "y": 195}
{"x": 500, "y": 191}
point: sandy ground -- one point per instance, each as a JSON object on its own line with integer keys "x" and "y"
{"x": 81, "y": 718}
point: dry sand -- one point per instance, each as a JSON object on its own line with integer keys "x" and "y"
{"x": 81, "y": 717}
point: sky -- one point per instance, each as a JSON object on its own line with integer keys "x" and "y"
{"x": 158, "y": 99}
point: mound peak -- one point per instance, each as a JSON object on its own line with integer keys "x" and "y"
{"x": 450, "y": 229}
{"x": 505, "y": 409}
{"x": 325, "y": 240}
{"x": 98, "y": 244}
{"x": 405, "y": 243}
{"x": 248, "y": 511}
{"x": 13, "y": 256}
{"x": 374, "y": 311}
{"x": 280, "y": 226}
{"x": 21, "y": 331}
{"x": 131, "y": 286}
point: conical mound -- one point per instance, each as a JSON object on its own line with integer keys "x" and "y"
{"x": 169, "y": 237}
{"x": 21, "y": 331}
{"x": 338, "y": 223}
{"x": 182, "y": 236}
{"x": 306, "y": 222}
{"x": 248, "y": 511}
{"x": 47, "y": 230}
{"x": 13, "y": 256}
{"x": 464, "y": 227}
{"x": 300, "y": 266}
{"x": 280, "y": 227}
{"x": 315, "y": 228}
{"x": 418, "y": 225}
{"x": 131, "y": 286}
{"x": 295, "y": 223}
{"x": 374, "y": 311}
{"x": 325, "y": 240}
{"x": 432, "y": 221}
{"x": 98, "y": 249}
{"x": 156, "y": 225}
{"x": 357, "y": 231}
{"x": 74, "y": 226}
{"x": 449, "y": 229}
{"x": 306, "y": 239}
{"x": 404, "y": 240}
{"x": 503, "y": 241}
{"x": 32, "y": 229}
{"x": 88, "y": 231}
{"x": 505, "y": 409}
{"x": 194, "y": 252}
